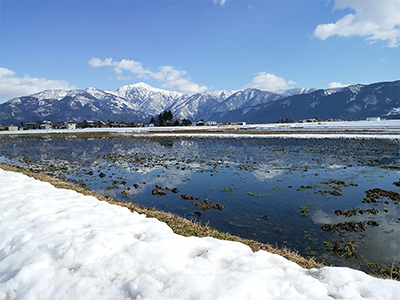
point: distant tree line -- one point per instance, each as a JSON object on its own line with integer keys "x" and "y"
{"x": 285, "y": 120}
{"x": 48, "y": 124}
{"x": 166, "y": 118}
{"x": 316, "y": 119}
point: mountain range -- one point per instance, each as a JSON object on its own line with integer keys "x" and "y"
{"x": 140, "y": 102}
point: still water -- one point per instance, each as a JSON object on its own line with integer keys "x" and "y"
{"x": 285, "y": 192}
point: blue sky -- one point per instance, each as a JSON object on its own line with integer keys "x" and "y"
{"x": 196, "y": 46}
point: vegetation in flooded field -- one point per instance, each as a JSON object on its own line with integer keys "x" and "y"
{"x": 304, "y": 211}
{"x": 294, "y": 192}
{"x": 178, "y": 224}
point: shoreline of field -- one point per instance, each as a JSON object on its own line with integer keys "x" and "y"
{"x": 184, "y": 226}
{"x": 179, "y": 225}
{"x": 60, "y": 243}
{"x": 389, "y": 129}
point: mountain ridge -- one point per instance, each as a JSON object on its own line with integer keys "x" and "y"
{"x": 354, "y": 102}
{"x": 140, "y": 102}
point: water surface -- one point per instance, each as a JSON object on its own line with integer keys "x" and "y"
{"x": 275, "y": 190}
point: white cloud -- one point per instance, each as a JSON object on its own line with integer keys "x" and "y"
{"x": 335, "y": 84}
{"x": 120, "y": 77}
{"x": 269, "y": 82}
{"x": 176, "y": 79}
{"x": 170, "y": 77}
{"x": 97, "y": 62}
{"x": 220, "y": 2}
{"x": 12, "y": 86}
{"x": 373, "y": 19}
{"x": 125, "y": 64}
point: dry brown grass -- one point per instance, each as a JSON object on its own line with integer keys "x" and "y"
{"x": 178, "y": 224}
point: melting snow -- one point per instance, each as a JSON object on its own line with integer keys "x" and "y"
{"x": 331, "y": 91}
{"x": 58, "y": 244}
{"x": 355, "y": 88}
{"x": 394, "y": 111}
{"x": 53, "y": 94}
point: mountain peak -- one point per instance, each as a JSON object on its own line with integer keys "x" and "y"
{"x": 139, "y": 85}
{"x": 90, "y": 88}
{"x": 141, "y": 91}
{"x": 54, "y": 94}
{"x": 129, "y": 87}
{"x": 142, "y": 85}
{"x": 140, "y": 102}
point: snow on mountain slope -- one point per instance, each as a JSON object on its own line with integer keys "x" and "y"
{"x": 197, "y": 106}
{"x": 140, "y": 102}
{"x": 247, "y": 98}
{"x": 221, "y": 94}
{"x": 394, "y": 111}
{"x": 347, "y": 103}
{"x": 297, "y": 91}
{"x": 53, "y": 94}
{"x": 151, "y": 100}
{"x": 143, "y": 91}
{"x": 96, "y": 93}
{"x": 138, "y": 97}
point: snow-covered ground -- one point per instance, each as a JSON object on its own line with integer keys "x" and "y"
{"x": 58, "y": 244}
{"x": 343, "y": 128}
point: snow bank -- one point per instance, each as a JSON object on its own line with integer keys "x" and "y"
{"x": 59, "y": 244}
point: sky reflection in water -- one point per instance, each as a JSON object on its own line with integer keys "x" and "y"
{"x": 279, "y": 191}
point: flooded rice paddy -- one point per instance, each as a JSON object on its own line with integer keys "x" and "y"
{"x": 335, "y": 199}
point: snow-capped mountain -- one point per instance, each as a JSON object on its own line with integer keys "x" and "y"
{"x": 136, "y": 102}
{"x": 148, "y": 99}
{"x": 76, "y": 105}
{"x": 199, "y": 106}
{"x": 140, "y": 102}
{"x": 348, "y": 103}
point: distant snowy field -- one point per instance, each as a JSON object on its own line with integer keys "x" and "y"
{"x": 384, "y": 129}
{"x": 59, "y": 244}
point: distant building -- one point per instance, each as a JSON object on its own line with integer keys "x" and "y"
{"x": 58, "y": 125}
{"x": 13, "y": 128}
{"x": 117, "y": 123}
{"x": 211, "y": 123}
{"x": 199, "y": 123}
{"x": 70, "y": 125}
{"x": 46, "y": 125}
{"x": 233, "y": 123}
{"x": 373, "y": 119}
{"x": 30, "y": 125}
{"x": 138, "y": 124}
{"x": 103, "y": 124}
{"x": 88, "y": 124}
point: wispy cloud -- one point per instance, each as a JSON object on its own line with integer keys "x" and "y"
{"x": 220, "y": 2}
{"x": 269, "y": 82}
{"x": 375, "y": 20}
{"x": 335, "y": 84}
{"x": 170, "y": 77}
{"x": 12, "y": 86}
{"x": 125, "y": 64}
